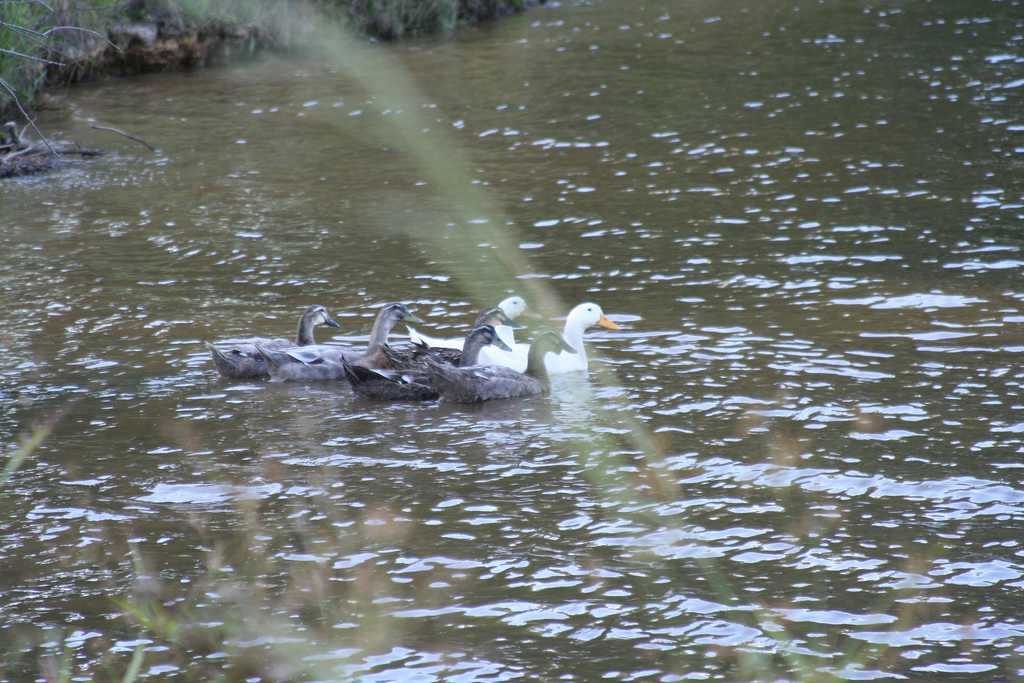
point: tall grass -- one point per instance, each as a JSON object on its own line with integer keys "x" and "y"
{"x": 27, "y": 446}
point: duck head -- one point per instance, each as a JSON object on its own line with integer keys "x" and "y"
{"x": 514, "y": 306}
{"x": 314, "y": 315}
{"x": 478, "y": 338}
{"x": 387, "y": 318}
{"x": 392, "y": 314}
{"x": 588, "y": 315}
{"x": 318, "y": 315}
{"x": 488, "y": 335}
{"x": 496, "y": 316}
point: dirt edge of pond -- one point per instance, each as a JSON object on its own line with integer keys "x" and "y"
{"x": 163, "y": 42}
{"x": 129, "y": 49}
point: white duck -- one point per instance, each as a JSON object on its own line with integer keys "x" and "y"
{"x": 513, "y": 307}
{"x": 584, "y": 316}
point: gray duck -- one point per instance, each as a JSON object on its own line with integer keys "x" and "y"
{"x": 414, "y": 384}
{"x": 242, "y": 361}
{"x": 322, "y": 362}
{"x": 412, "y": 357}
{"x": 480, "y": 383}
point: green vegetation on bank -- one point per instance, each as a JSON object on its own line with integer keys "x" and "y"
{"x": 38, "y": 46}
{"x": 35, "y": 38}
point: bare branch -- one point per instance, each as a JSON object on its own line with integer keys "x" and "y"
{"x": 12, "y": 138}
{"x": 7, "y": 86}
{"x": 28, "y": 2}
{"x": 83, "y": 30}
{"x": 22, "y": 29}
{"x": 148, "y": 146}
{"x": 31, "y": 149}
{"x": 42, "y": 36}
{"x": 24, "y": 56}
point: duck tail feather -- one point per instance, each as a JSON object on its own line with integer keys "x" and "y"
{"x": 220, "y": 359}
{"x": 273, "y": 359}
{"x": 355, "y": 374}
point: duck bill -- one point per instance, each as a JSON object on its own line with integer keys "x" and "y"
{"x": 412, "y": 317}
{"x": 607, "y": 324}
{"x": 330, "y": 322}
{"x": 501, "y": 345}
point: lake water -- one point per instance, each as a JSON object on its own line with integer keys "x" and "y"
{"x": 802, "y": 453}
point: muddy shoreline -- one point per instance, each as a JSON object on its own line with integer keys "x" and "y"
{"x": 166, "y": 42}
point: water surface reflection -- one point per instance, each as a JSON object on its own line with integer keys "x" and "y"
{"x": 807, "y": 219}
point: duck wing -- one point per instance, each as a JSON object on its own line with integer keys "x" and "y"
{"x": 435, "y": 342}
{"x": 387, "y": 385}
{"x": 497, "y": 382}
{"x": 414, "y": 357}
{"x": 481, "y": 383}
{"x": 319, "y": 353}
{"x": 288, "y": 365}
{"x": 241, "y": 360}
{"x": 236, "y": 363}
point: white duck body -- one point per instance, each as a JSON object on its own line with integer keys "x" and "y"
{"x": 581, "y": 318}
{"x": 513, "y": 307}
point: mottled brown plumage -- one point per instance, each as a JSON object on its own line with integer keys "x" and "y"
{"x": 415, "y": 384}
{"x": 480, "y": 383}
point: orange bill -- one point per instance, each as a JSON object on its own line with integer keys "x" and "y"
{"x": 607, "y": 324}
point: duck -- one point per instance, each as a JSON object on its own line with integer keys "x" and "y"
{"x": 415, "y": 384}
{"x": 322, "y": 362}
{"x": 241, "y": 360}
{"x": 411, "y": 357}
{"x": 581, "y": 318}
{"x": 479, "y": 383}
{"x": 513, "y": 307}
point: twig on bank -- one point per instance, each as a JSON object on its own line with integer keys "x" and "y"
{"x": 7, "y": 86}
{"x": 22, "y": 29}
{"x": 83, "y": 30}
{"x": 148, "y": 146}
{"x": 5, "y": 51}
{"x": 31, "y": 149}
{"x": 12, "y": 137}
{"x": 35, "y": 159}
{"x": 66, "y": 150}
{"x": 28, "y": 2}
{"x": 76, "y": 149}
{"x": 44, "y": 35}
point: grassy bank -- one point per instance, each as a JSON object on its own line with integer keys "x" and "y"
{"x": 121, "y": 37}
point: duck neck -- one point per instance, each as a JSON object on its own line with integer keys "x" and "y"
{"x": 471, "y": 350}
{"x": 572, "y": 333}
{"x": 483, "y": 316}
{"x": 380, "y": 331}
{"x": 506, "y": 334}
{"x": 304, "y": 336}
{"x": 535, "y": 366}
